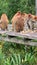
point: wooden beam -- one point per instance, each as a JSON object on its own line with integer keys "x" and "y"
{"x": 27, "y": 35}
{"x": 19, "y": 41}
{"x": 13, "y": 38}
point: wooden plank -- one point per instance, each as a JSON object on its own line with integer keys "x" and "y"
{"x": 18, "y": 41}
{"x": 9, "y": 29}
{"x": 2, "y": 32}
{"x": 27, "y": 35}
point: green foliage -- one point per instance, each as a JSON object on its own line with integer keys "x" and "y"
{"x": 3, "y": 60}
{"x": 10, "y": 7}
{"x": 11, "y": 53}
{"x": 16, "y": 59}
{"x": 15, "y": 54}
{"x": 3, "y": 6}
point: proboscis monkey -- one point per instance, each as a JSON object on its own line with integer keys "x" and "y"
{"x": 4, "y": 21}
{"x": 15, "y": 18}
{"x": 19, "y": 25}
{"x": 35, "y": 22}
{"x": 24, "y": 17}
{"x": 29, "y": 21}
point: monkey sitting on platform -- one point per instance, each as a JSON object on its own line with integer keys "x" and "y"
{"x": 4, "y": 22}
{"x": 15, "y": 18}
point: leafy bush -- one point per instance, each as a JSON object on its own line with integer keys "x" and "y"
{"x": 15, "y": 54}
{"x": 10, "y": 7}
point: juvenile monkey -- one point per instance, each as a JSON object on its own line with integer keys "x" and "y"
{"x": 4, "y": 21}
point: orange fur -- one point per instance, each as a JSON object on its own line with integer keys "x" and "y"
{"x": 35, "y": 18}
{"x": 4, "y": 21}
{"x": 24, "y": 16}
{"x": 18, "y": 21}
{"x": 15, "y": 18}
{"x": 19, "y": 25}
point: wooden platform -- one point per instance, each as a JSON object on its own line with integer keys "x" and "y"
{"x": 26, "y": 35}
{"x": 26, "y": 39}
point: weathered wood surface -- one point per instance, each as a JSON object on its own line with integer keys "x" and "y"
{"x": 13, "y": 38}
{"x": 2, "y": 32}
{"x": 27, "y": 35}
{"x": 19, "y": 41}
